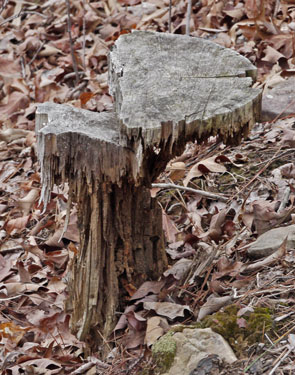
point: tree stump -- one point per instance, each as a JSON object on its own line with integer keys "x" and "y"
{"x": 168, "y": 90}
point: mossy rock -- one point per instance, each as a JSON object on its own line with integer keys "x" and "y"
{"x": 163, "y": 352}
{"x": 240, "y": 338}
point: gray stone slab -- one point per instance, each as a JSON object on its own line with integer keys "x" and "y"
{"x": 192, "y": 345}
{"x": 279, "y": 101}
{"x": 270, "y": 241}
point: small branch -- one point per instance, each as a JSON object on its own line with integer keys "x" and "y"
{"x": 257, "y": 174}
{"x": 205, "y": 194}
{"x": 33, "y": 12}
{"x": 20, "y": 13}
{"x": 11, "y": 18}
{"x": 5, "y": 2}
{"x": 36, "y": 53}
{"x": 169, "y": 21}
{"x": 71, "y": 42}
{"x": 72, "y": 74}
{"x": 22, "y": 63}
{"x": 84, "y": 34}
{"x": 188, "y": 16}
{"x": 80, "y": 87}
{"x": 282, "y": 357}
{"x": 285, "y": 199}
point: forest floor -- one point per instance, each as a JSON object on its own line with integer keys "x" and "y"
{"x": 208, "y": 240}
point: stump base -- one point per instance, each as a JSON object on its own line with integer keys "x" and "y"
{"x": 121, "y": 242}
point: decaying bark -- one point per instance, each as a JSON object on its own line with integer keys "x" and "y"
{"x": 168, "y": 90}
{"x": 120, "y": 224}
{"x": 121, "y": 240}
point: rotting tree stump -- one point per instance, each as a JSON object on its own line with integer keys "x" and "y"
{"x": 168, "y": 90}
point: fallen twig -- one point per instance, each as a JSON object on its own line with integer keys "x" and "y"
{"x": 169, "y": 19}
{"x": 84, "y": 34}
{"x": 20, "y": 13}
{"x": 257, "y": 174}
{"x": 3, "y": 5}
{"x": 36, "y": 53}
{"x": 11, "y": 18}
{"x": 71, "y": 42}
{"x": 205, "y": 194}
{"x": 188, "y": 16}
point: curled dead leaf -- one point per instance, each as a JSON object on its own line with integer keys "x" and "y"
{"x": 168, "y": 309}
{"x": 28, "y": 201}
{"x": 176, "y": 170}
{"x": 203, "y": 167}
{"x": 18, "y": 224}
{"x": 213, "y": 304}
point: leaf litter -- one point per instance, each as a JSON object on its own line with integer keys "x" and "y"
{"x": 208, "y": 239}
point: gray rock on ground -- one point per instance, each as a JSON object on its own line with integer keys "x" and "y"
{"x": 270, "y": 241}
{"x": 194, "y": 344}
{"x": 279, "y": 101}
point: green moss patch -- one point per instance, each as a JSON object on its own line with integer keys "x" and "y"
{"x": 163, "y": 352}
{"x": 240, "y": 332}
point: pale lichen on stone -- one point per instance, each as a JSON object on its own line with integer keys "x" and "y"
{"x": 163, "y": 352}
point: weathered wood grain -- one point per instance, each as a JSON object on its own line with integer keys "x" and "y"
{"x": 172, "y": 87}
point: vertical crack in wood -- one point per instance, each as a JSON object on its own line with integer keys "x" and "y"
{"x": 121, "y": 239}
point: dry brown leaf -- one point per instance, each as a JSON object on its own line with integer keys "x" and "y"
{"x": 14, "y": 289}
{"x": 169, "y": 228}
{"x": 28, "y": 201}
{"x": 271, "y": 55}
{"x": 289, "y": 137}
{"x": 213, "y": 304}
{"x": 156, "y": 327}
{"x": 253, "y": 8}
{"x": 49, "y": 51}
{"x": 13, "y": 331}
{"x": 288, "y": 170}
{"x": 135, "y": 321}
{"x": 9, "y": 68}
{"x": 266, "y": 215}
{"x": 17, "y": 225}
{"x": 148, "y": 287}
{"x": 176, "y": 170}
{"x": 203, "y": 167}
{"x": 236, "y": 12}
{"x": 37, "y": 365}
{"x": 167, "y": 309}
